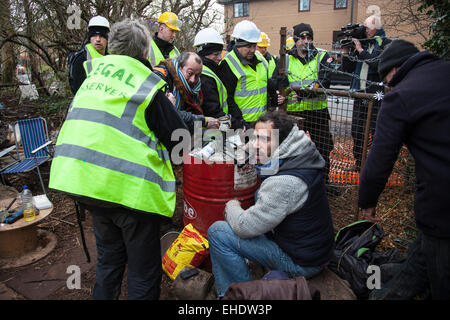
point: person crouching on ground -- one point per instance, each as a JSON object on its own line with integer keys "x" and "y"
{"x": 290, "y": 227}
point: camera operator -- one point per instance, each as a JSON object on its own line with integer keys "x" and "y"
{"x": 365, "y": 78}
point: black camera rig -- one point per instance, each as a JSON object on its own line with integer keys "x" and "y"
{"x": 348, "y": 32}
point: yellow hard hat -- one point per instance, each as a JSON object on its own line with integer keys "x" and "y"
{"x": 265, "y": 40}
{"x": 171, "y": 20}
{"x": 290, "y": 43}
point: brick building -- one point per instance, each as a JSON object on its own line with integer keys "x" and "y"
{"x": 325, "y": 16}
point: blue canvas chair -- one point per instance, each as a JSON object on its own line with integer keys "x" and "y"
{"x": 35, "y": 142}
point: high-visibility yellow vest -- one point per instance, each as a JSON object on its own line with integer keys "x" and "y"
{"x": 300, "y": 75}
{"x": 220, "y": 88}
{"x": 91, "y": 52}
{"x": 105, "y": 150}
{"x": 272, "y": 65}
{"x": 155, "y": 55}
{"x": 251, "y": 89}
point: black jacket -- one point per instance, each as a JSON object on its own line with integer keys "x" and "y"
{"x": 370, "y": 59}
{"x": 164, "y": 46}
{"x": 211, "y": 101}
{"x": 78, "y": 73}
{"x": 416, "y": 113}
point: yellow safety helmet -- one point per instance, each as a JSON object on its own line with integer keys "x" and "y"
{"x": 265, "y": 40}
{"x": 171, "y": 20}
{"x": 290, "y": 43}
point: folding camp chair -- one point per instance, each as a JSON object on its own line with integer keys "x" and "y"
{"x": 35, "y": 142}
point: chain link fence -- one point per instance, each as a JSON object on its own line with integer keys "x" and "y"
{"x": 344, "y": 141}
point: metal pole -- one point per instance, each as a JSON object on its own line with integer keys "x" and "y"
{"x": 364, "y": 150}
{"x": 351, "y": 13}
{"x": 334, "y": 92}
{"x": 282, "y": 66}
{"x": 366, "y": 133}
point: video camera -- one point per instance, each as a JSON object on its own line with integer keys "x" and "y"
{"x": 350, "y": 31}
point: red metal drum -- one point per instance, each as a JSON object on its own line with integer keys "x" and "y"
{"x": 208, "y": 186}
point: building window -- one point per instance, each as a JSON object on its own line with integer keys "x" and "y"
{"x": 303, "y": 5}
{"x": 241, "y": 9}
{"x": 340, "y": 4}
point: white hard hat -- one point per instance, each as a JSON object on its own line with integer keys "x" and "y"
{"x": 248, "y": 31}
{"x": 98, "y": 21}
{"x": 207, "y": 35}
{"x": 373, "y": 22}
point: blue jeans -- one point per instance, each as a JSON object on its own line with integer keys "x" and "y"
{"x": 426, "y": 269}
{"x": 124, "y": 237}
{"x": 228, "y": 253}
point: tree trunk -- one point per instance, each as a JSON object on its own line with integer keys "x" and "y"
{"x": 8, "y": 58}
{"x": 35, "y": 74}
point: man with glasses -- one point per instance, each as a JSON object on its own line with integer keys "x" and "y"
{"x": 161, "y": 47}
{"x": 307, "y": 67}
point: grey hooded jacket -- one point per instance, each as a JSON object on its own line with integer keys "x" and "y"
{"x": 278, "y": 196}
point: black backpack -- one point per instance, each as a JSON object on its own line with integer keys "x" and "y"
{"x": 355, "y": 250}
{"x": 74, "y": 56}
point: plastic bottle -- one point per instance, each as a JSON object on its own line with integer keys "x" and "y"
{"x": 208, "y": 150}
{"x": 29, "y": 213}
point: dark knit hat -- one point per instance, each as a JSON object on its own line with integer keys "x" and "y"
{"x": 395, "y": 53}
{"x": 301, "y": 28}
{"x": 238, "y": 43}
{"x": 209, "y": 48}
{"x": 103, "y": 31}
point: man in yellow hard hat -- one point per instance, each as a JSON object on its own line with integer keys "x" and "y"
{"x": 272, "y": 61}
{"x": 290, "y": 43}
{"x": 262, "y": 47}
{"x": 161, "y": 46}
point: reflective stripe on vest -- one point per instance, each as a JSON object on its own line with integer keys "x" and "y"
{"x": 105, "y": 150}
{"x": 220, "y": 88}
{"x": 156, "y": 56}
{"x": 91, "y": 53}
{"x": 251, "y": 88}
{"x": 300, "y": 75}
{"x": 272, "y": 65}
